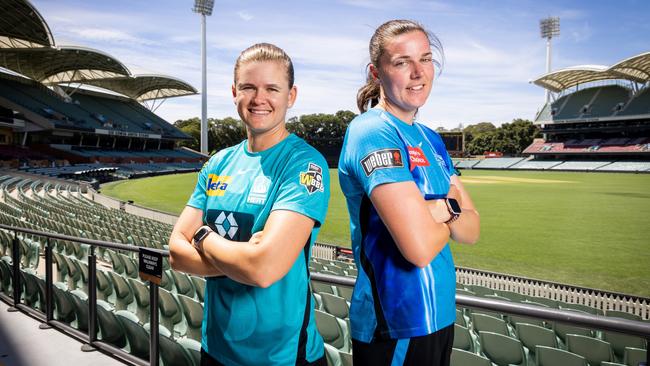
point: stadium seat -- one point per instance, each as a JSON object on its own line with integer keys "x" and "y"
{"x": 352, "y": 272}
{"x": 321, "y": 287}
{"x": 336, "y": 270}
{"x": 512, "y": 296}
{"x": 332, "y": 355}
{"x": 61, "y": 266}
{"x": 5, "y": 276}
{"x": 532, "y": 336}
{"x": 141, "y": 295}
{"x": 123, "y": 292}
{"x": 462, "y": 338}
{"x": 465, "y": 358}
{"x": 193, "y": 312}
{"x": 482, "y": 322}
{"x": 64, "y": 308}
{"x": 593, "y": 350}
{"x": 110, "y": 329}
{"x": 75, "y": 277}
{"x": 31, "y": 293}
{"x": 542, "y": 300}
{"x": 199, "y": 286}
{"x": 167, "y": 282}
{"x": 170, "y": 311}
{"x": 346, "y": 358}
{"x": 547, "y": 356}
{"x": 460, "y": 318}
{"x": 623, "y": 315}
{"x": 345, "y": 292}
{"x": 116, "y": 261}
{"x": 80, "y": 302}
{"x": 480, "y": 290}
{"x": 620, "y": 341}
{"x": 335, "y": 305}
{"x": 130, "y": 266}
{"x": 634, "y": 356}
{"x": 562, "y": 329}
{"x": 104, "y": 285}
{"x": 193, "y": 348}
{"x": 331, "y": 330}
{"x": 584, "y": 308}
{"x": 171, "y": 352}
{"x": 501, "y": 349}
{"x": 183, "y": 284}
{"x": 137, "y": 336}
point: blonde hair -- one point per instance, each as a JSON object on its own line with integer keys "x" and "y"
{"x": 370, "y": 92}
{"x": 265, "y": 52}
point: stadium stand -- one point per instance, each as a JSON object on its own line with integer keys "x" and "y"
{"x": 497, "y": 163}
{"x": 601, "y": 113}
{"x": 581, "y": 165}
{"x": 123, "y": 301}
{"x": 535, "y": 165}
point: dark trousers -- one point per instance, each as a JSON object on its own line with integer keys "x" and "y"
{"x": 433, "y": 349}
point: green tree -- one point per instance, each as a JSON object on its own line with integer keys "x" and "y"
{"x": 191, "y": 127}
{"x": 510, "y": 138}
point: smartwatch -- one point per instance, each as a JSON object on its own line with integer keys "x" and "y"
{"x": 454, "y": 210}
{"x": 200, "y": 234}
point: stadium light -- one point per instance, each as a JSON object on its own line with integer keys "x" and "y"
{"x": 549, "y": 28}
{"x": 203, "y": 7}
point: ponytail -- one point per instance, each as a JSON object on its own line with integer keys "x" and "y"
{"x": 368, "y": 93}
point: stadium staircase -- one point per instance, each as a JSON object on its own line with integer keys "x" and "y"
{"x": 124, "y": 304}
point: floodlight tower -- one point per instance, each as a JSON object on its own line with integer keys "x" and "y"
{"x": 549, "y": 27}
{"x": 203, "y": 7}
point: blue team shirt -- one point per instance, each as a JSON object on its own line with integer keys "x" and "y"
{"x": 393, "y": 298}
{"x": 237, "y": 190}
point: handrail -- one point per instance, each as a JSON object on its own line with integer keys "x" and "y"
{"x": 92, "y": 341}
{"x": 625, "y": 326}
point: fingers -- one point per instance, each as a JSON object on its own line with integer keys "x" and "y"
{"x": 256, "y": 238}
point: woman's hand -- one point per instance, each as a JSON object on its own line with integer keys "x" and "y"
{"x": 439, "y": 211}
{"x": 256, "y": 238}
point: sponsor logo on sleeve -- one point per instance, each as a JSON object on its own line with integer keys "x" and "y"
{"x": 382, "y": 159}
{"x": 217, "y": 185}
{"x": 312, "y": 179}
{"x": 417, "y": 157}
{"x": 257, "y": 194}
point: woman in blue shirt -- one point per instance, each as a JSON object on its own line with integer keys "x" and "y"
{"x": 405, "y": 202}
{"x": 250, "y": 224}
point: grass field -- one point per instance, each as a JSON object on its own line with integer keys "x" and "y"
{"x": 586, "y": 229}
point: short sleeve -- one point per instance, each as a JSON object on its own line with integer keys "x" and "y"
{"x": 305, "y": 188}
{"x": 198, "y": 198}
{"x": 375, "y": 156}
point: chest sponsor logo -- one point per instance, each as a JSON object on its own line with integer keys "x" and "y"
{"x": 381, "y": 159}
{"x": 312, "y": 179}
{"x": 417, "y": 157}
{"x": 217, "y": 185}
{"x": 231, "y": 225}
{"x": 259, "y": 190}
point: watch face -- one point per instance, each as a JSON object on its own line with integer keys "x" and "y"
{"x": 201, "y": 234}
{"x": 454, "y": 206}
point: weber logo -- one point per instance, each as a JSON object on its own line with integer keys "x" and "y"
{"x": 381, "y": 159}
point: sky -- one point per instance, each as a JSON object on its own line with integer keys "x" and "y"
{"x": 493, "y": 49}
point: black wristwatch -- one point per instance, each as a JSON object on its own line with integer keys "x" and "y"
{"x": 200, "y": 234}
{"x": 454, "y": 210}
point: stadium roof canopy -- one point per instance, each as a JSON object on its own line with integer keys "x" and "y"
{"x": 61, "y": 64}
{"x": 145, "y": 87}
{"x": 22, "y": 26}
{"x": 635, "y": 68}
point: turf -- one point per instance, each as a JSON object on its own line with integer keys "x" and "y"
{"x": 586, "y": 229}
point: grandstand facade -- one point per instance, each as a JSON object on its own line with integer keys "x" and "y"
{"x": 63, "y": 106}
{"x": 598, "y": 113}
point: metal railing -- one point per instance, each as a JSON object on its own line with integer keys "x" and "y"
{"x": 624, "y": 326}
{"x": 90, "y": 338}
{"x": 570, "y": 294}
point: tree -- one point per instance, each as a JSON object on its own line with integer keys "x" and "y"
{"x": 510, "y": 138}
{"x": 191, "y": 127}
